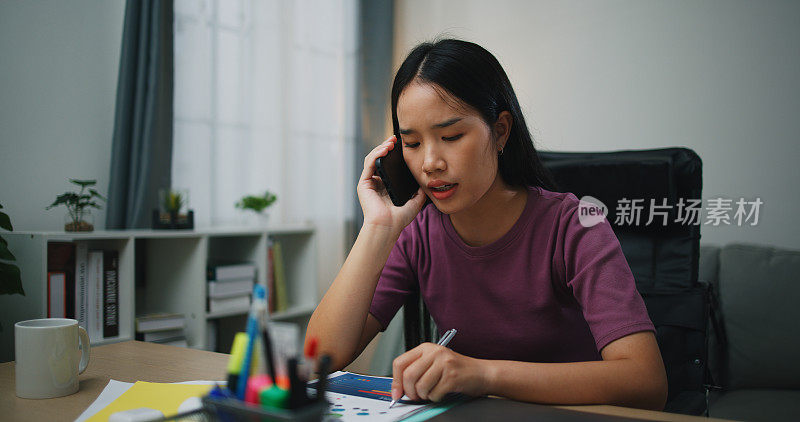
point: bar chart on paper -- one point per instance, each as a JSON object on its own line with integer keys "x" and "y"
{"x": 377, "y": 388}
{"x": 359, "y": 397}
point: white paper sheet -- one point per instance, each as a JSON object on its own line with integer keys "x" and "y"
{"x": 344, "y": 408}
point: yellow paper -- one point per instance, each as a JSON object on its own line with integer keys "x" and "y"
{"x": 154, "y": 395}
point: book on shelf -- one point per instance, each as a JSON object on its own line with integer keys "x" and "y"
{"x": 162, "y": 335}
{"x": 61, "y": 259}
{"x": 279, "y": 290}
{"x": 163, "y": 328}
{"x": 110, "y": 293}
{"x": 81, "y": 284}
{"x": 270, "y": 275}
{"x": 56, "y": 299}
{"x": 91, "y": 286}
{"x": 181, "y": 342}
{"x": 229, "y": 304}
{"x": 221, "y": 289}
{"x": 159, "y": 322}
{"x": 94, "y": 276}
{"x": 220, "y": 270}
{"x": 171, "y": 337}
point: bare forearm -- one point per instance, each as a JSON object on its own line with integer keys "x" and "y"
{"x": 339, "y": 319}
{"x": 622, "y": 382}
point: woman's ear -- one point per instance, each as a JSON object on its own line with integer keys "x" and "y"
{"x": 502, "y": 129}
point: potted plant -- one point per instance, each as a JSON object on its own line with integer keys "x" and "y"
{"x": 258, "y": 204}
{"x": 174, "y": 200}
{"x": 171, "y": 213}
{"x": 10, "y": 280}
{"x": 79, "y": 218}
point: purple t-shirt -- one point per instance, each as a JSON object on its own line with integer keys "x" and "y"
{"x": 549, "y": 290}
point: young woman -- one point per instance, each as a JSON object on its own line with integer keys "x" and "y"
{"x": 546, "y": 309}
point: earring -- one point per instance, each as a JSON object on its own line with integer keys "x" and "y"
{"x": 501, "y": 152}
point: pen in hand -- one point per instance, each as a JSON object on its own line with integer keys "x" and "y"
{"x": 442, "y": 342}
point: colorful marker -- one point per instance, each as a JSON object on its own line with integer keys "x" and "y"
{"x": 235, "y": 361}
{"x": 256, "y": 310}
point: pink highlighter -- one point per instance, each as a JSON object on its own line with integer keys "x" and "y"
{"x": 255, "y": 385}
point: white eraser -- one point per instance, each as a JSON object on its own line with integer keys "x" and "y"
{"x": 141, "y": 414}
{"x": 190, "y": 404}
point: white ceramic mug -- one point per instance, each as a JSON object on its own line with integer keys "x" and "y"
{"x": 48, "y": 358}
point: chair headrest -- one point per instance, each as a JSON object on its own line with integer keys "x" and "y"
{"x": 641, "y": 175}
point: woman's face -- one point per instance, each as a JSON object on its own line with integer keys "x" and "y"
{"x": 448, "y": 147}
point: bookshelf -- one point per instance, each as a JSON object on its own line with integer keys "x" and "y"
{"x": 165, "y": 271}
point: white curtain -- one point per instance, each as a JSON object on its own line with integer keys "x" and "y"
{"x": 265, "y": 99}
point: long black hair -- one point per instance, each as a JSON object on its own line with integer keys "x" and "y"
{"x": 472, "y": 75}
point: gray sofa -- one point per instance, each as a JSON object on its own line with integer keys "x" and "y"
{"x": 758, "y": 289}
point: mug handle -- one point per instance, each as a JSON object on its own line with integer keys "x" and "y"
{"x": 85, "y": 349}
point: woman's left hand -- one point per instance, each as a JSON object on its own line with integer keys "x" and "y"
{"x": 429, "y": 371}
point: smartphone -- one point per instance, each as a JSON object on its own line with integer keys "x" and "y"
{"x": 396, "y": 176}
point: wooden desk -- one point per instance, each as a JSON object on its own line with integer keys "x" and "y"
{"x": 132, "y": 361}
{"x": 129, "y": 361}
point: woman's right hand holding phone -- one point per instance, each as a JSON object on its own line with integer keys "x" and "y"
{"x": 342, "y": 322}
{"x": 375, "y": 202}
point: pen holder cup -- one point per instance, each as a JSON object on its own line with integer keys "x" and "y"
{"x": 225, "y": 410}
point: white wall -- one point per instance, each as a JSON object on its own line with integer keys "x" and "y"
{"x": 717, "y": 76}
{"x": 57, "y": 93}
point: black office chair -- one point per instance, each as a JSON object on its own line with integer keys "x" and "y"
{"x": 663, "y": 258}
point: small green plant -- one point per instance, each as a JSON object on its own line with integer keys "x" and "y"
{"x": 10, "y": 279}
{"x": 77, "y": 204}
{"x": 174, "y": 201}
{"x": 257, "y": 203}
